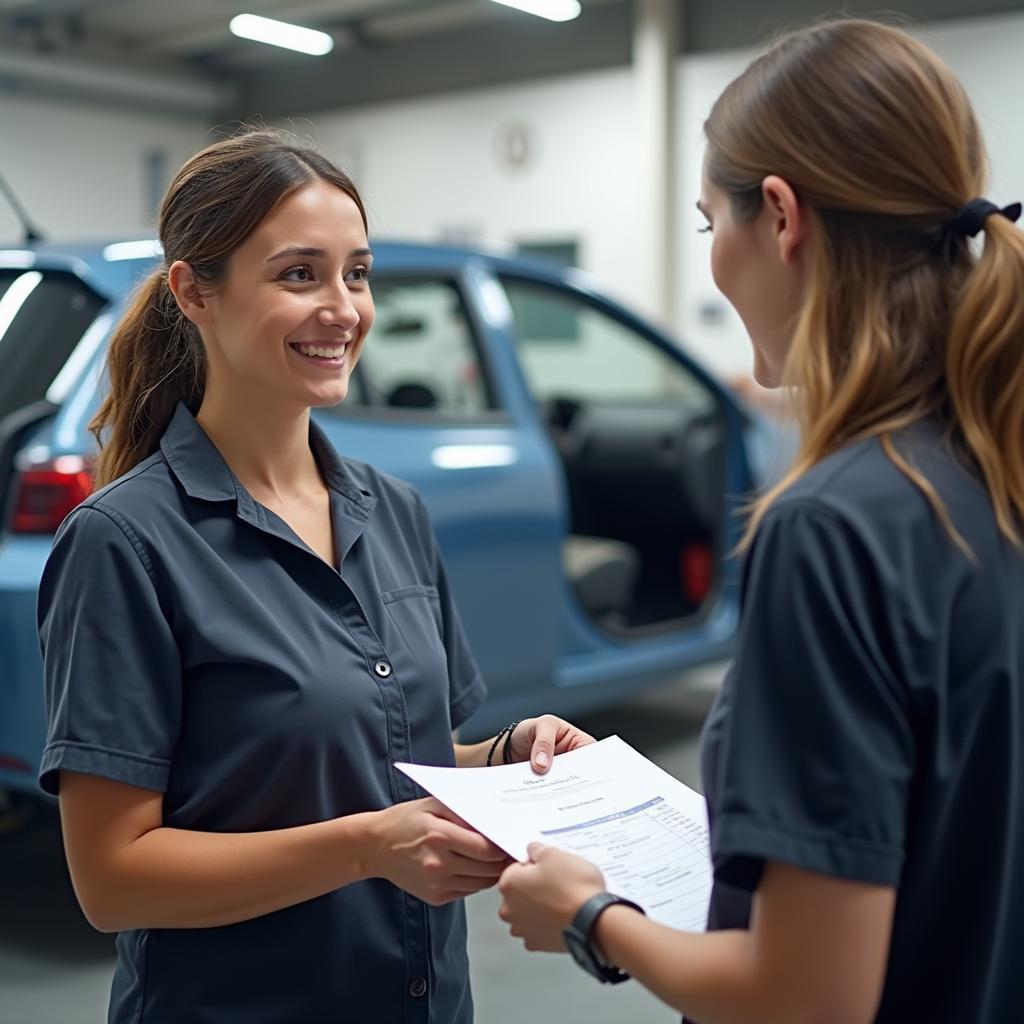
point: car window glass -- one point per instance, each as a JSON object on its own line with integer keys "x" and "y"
{"x": 42, "y": 318}
{"x": 421, "y": 353}
{"x": 569, "y": 349}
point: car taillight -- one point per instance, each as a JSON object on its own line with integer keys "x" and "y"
{"x": 8, "y": 762}
{"x": 48, "y": 491}
{"x": 698, "y": 571}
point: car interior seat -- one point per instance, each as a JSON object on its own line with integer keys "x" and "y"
{"x": 603, "y": 573}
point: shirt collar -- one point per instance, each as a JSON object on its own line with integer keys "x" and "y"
{"x": 332, "y": 465}
{"x": 195, "y": 460}
{"x": 200, "y": 468}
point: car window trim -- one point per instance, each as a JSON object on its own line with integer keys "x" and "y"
{"x": 623, "y": 318}
{"x": 374, "y": 409}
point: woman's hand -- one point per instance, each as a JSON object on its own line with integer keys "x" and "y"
{"x": 425, "y": 849}
{"x": 540, "y": 898}
{"x": 537, "y": 740}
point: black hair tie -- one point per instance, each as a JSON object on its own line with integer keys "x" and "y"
{"x": 971, "y": 217}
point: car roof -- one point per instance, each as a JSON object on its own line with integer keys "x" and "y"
{"x": 113, "y": 266}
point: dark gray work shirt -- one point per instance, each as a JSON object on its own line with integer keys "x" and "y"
{"x": 194, "y": 645}
{"x": 872, "y": 726}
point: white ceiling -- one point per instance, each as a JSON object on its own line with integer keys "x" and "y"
{"x": 196, "y": 31}
{"x": 179, "y": 55}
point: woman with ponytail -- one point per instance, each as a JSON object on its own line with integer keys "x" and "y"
{"x": 863, "y": 762}
{"x": 242, "y": 632}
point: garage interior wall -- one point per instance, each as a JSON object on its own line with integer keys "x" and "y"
{"x": 543, "y": 162}
{"x": 82, "y": 171}
{"x": 438, "y": 166}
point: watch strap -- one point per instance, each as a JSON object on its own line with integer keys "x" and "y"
{"x": 582, "y": 931}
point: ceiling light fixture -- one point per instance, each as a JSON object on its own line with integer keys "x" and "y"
{"x": 281, "y": 33}
{"x": 553, "y": 10}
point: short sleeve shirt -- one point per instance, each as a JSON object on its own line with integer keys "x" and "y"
{"x": 872, "y": 725}
{"x": 195, "y": 646}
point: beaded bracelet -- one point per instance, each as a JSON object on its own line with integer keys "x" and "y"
{"x": 506, "y": 751}
{"x": 494, "y": 745}
{"x": 507, "y": 733}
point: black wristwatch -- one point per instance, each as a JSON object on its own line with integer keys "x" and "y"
{"x": 578, "y": 937}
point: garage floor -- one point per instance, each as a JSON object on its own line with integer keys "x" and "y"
{"x": 54, "y": 969}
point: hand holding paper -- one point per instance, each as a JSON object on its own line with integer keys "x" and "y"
{"x": 644, "y": 830}
{"x": 540, "y": 739}
{"x": 540, "y": 899}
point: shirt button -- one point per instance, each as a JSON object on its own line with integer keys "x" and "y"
{"x": 417, "y": 987}
{"x": 383, "y": 669}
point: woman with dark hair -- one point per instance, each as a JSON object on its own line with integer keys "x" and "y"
{"x": 243, "y": 631}
{"x": 863, "y": 762}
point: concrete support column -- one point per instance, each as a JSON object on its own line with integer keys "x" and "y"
{"x": 656, "y": 37}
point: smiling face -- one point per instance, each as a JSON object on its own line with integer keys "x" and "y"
{"x": 759, "y": 266}
{"x": 288, "y": 321}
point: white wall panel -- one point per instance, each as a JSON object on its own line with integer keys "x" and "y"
{"x": 437, "y": 167}
{"x": 80, "y": 170}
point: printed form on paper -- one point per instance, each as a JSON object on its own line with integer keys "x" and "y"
{"x": 646, "y": 831}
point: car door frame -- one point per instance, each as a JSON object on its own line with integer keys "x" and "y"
{"x": 596, "y": 666}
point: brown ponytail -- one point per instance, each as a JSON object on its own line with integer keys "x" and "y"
{"x": 154, "y": 361}
{"x": 900, "y": 320}
{"x": 156, "y": 356}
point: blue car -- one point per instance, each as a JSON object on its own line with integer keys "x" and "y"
{"x": 582, "y": 472}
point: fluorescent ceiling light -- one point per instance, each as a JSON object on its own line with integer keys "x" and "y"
{"x": 280, "y": 33}
{"x": 553, "y": 10}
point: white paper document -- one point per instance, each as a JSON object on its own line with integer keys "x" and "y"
{"x": 646, "y": 831}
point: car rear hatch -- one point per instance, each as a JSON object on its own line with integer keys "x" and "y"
{"x": 48, "y": 322}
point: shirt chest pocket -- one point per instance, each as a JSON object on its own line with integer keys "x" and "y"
{"x": 415, "y": 614}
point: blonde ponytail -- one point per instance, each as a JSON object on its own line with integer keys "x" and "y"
{"x": 900, "y": 321}
{"x": 985, "y": 369}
